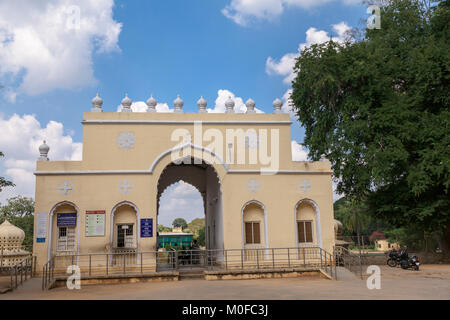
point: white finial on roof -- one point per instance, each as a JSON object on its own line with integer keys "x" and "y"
{"x": 126, "y": 104}
{"x": 97, "y": 103}
{"x": 201, "y": 103}
{"x": 178, "y": 103}
{"x": 229, "y": 104}
{"x": 43, "y": 151}
{"x": 151, "y": 103}
{"x": 250, "y": 104}
{"x": 277, "y": 104}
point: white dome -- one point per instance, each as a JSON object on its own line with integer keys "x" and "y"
{"x": 151, "y": 102}
{"x": 97, "y": 101}
{"x": 11, "y": 235}
{"x": 178, "y": 102}
{"x": 44, "y": 148}
{"x": 201, "y": 103}
{"x": 126, "y": 102}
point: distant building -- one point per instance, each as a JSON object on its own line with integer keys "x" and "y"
{"x": 179, "y": 239}
{"x": 381, "y": 243}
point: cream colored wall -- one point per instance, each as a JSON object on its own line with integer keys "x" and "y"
{"x": 279, "y": 193}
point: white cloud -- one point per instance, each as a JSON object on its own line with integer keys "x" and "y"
{"x": 243, "y": 12}
{"x": 141, "y": 106}
{"x": 288, "y": 104}
{"x": 20, "y": 139}
{"x": 180, "y": 200}
{"x": 222, "y": 97}
{"x": 46, "y": 45}
{"x": 298, "y": 153}
{"x": 285, "y": 66}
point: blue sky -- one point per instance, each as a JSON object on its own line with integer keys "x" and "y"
{"x": 50, "y": 74}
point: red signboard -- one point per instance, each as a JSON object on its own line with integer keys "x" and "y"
{"x": 96, "y": 212}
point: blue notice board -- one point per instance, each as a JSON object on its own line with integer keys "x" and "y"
{"x": 146, "y": 228}
{"x": 66, "y": 219}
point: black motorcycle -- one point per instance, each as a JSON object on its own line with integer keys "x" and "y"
{"x": 410, "y": 262}
{"x": 393, "y": 258}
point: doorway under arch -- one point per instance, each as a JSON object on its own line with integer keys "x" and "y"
{"x": 205, "y": 179}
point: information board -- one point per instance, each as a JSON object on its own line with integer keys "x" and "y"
{"x": 41, "y": 226}
{"x": 146, "y": 228}
{"x": 66, "y": 219}
{"x": 95, "y": 223}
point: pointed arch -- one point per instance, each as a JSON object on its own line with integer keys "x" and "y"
{"x": 50, "y": 228}
{"x": 266, "y": 234}
{"x": 193, "y": 146}
{"x": 111, "y": 219}
{"x": 317, "y": 218}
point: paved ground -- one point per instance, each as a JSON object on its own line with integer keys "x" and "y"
{"x": 432, "y": 282}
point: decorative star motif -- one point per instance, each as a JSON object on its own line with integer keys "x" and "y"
{"x": 304, "y": 185}
{"x": 65, "y": 188}
{"x": 253, "y": 185}
{"x": 125, "y": 186}
{"x": 126, "y": 140}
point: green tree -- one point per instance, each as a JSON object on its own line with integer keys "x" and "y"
{"x": 3, "y": 182}
{"x": 179, "y": 222}
{"x": 378, "y": 108}
{"x": 19, "y": 211}
{"x": 162, "y": 228}
{"x": 201, "y": 238}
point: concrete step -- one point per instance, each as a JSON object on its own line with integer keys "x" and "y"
{"x": 191, "y": 275}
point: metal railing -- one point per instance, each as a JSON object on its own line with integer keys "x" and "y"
{"x": 21, "y": 271}
{"x": 110, "y": 264}
{"x": 349, "y": 260}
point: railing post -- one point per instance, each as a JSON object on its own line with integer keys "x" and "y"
{"x": 304, "y": 258}
{"x": 226, "y": 259}
{"x": 142, "y": 270}
{"x": 289, "y": 259}
{"x": 53, "y": 268}
{"x": 326, "y": 267}
{"x": 257, "y": 258}
{"x": 321, "y": 263}
{"x": 273, "y": 258}
{"x": 15, "y": 271}
{"x": 124, "y": 262}
{"x": 242, "y": 259}
{"x": 11, "y": 277}
{"x": 21, "y": 272}
{"x": 107, "y": 262}
{"x": 90, "y": 263}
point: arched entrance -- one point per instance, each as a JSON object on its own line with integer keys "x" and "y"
{"x": 205, "y": 179}
{"x": 64, "y": 229}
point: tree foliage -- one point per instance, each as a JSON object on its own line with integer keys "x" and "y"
{"x": 3, "y": 182}
{"x": 179, "y": 222}
{"x": 378, "y": 109}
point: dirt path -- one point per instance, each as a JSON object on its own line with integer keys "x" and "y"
{"x": 432, "y": 282}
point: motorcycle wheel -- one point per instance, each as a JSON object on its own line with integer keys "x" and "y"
{"x": 416, "y": 268}
{"x": 391, "y": 263}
